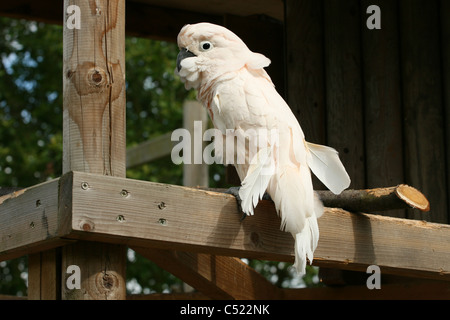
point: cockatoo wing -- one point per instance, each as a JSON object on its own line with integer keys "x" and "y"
{"x": 257, "y": 179}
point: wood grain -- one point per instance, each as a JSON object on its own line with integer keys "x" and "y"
{"x": 217, "y": 277}
{"x": 382, "y": 99}
{"x": 344, "y": 100}
{"x": 423, "y": 126}
{"x": 94, "y": 131}
{"x": 94, "y": 90}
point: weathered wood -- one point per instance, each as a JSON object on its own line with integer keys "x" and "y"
{"x": 382, "y": 99}
{"x": 145, "y": 214}
{"x": 423, "y": 125}
{"x": 344, "y": 101}
{"x": 178, "y": 218}
{"x": 305, "y": 69}
{"x": 369, "y": 200}
{"x": 375, "y": 200}
{"x": 8, "y": 190}
{"x": 94, "y": 130}
{"x": 44, "y": 274}
{"x": 29, "y": 220}
{"x": 217, "y": 277}
{"x": 102, "y": 270}
{"x": 445, "y": 44}
{"x": 94, "y": 90}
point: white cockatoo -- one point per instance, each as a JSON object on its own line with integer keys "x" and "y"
{"x": 238, "y": 93}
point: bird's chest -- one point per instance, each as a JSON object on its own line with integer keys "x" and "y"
{"x": 227, "y": 106}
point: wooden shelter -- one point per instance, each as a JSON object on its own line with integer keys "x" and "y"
{"x": 381, "y": 97}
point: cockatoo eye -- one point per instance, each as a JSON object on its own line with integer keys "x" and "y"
{"x": 206, "y": 46}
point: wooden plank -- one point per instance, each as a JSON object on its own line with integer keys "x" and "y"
{"x": 149, "y": 150}
{"x": 305, "y": 70}
{"x": 32, "y": 220}
{"x": 94, "y": 131}
{"x": 382, "y": 99}
{"x": 423, "y": 124}
{"x": 140, "y": 213}
{"x": 145, "y": 214}
{"x": 344, "y": 101}
{"x": 217, "y": 277}
{"x": 445, "y": 44}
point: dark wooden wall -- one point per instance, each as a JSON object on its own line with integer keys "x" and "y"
{"x": 380, "y": 97}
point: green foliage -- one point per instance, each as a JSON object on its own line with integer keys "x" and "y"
{"x": 31, "y": 132}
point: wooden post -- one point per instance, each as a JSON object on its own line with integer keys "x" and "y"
{"x": 94, "y": 130}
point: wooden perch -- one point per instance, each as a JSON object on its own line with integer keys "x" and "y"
{"x": 370, "y": 200}
{"x": 379, "y": 199}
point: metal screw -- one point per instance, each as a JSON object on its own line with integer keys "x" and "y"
{"x": 162, "y": 205}
{"x": 124, "y": 193}
{"x": 32, "y": 225}
{"x": 120, "y": 218}
{"x": 162, "y": 221}
{"x": 84, "y": 185}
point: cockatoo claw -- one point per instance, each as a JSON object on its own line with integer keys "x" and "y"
{"x": 235, "y": 192}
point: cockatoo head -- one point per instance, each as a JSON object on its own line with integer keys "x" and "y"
{"x": 209, "y": 51}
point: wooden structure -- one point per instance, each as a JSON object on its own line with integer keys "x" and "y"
{"x": 381, "y": 97}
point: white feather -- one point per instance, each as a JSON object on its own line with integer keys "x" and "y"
{"x": 255, "y": 183}
{"x": 305, "y": 244}
{"x": 326, "y": 165}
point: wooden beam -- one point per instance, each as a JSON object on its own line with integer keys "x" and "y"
{"x": 149, "y": 150}
{"x": 217, "y": 277}
{"x": 146, "y": 214}
{"x": 33, "y": 224}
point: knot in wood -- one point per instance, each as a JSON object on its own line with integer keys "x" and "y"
{"x": 107, "y": 283}
{"x": 86, "y": 225}
{"x": 96, "y": 77}
{"x": 254, "y": 237}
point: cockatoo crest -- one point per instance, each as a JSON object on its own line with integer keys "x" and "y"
{"x": 212, "y": 51}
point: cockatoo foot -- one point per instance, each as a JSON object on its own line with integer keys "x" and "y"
{"x": 235, "y": 192}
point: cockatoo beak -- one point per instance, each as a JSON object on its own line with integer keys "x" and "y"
{"x": 183, "y": 54}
